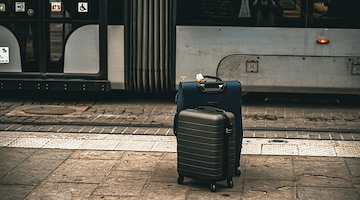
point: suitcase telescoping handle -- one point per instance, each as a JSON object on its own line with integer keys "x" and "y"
{"x": 228, "y": 124}
{"x": 210, "y": 108}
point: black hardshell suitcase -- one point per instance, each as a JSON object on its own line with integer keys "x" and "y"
{"x": 206, "y": 145}
{"x": 221, "y": 94}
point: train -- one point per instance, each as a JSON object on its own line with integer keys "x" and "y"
{"x": 149, "y": 46}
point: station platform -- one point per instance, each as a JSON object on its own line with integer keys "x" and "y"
{"x": 106, "y": 166}
{"x": 125, "y": 149}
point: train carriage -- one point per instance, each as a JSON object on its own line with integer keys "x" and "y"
{"x": 308, "y": 46}
{"x": 281, "y": 46}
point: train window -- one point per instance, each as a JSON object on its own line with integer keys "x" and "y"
{"x": 336, "y": 13}
{"x": 289, "y": 4}
{"x": 239, "y": 12}
{"x": 58, "y": 33}
{"x": 43, "y": 32}
{"x": 209, "y": 12}
{"x": 26, "y": 34}
{"x": 284, "y": 13}
{"x": 292, "y": 8}
{"x": 20, "y": 17}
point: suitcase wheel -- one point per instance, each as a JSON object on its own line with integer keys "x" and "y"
{"x": 180, "y": 179}
{"x": 237, "y": 172}
{"x": 230, "y": 183}
{"x": 213, "y": 187}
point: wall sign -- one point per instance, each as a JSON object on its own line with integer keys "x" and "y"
{"x": 55, "y": 6}
{"x": 2, "y": 7}
{"x": 19, "y": 6}
{"x": 4, "y": 55}
{"x": 83, "y": 7}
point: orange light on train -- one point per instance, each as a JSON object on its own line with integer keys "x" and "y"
{"x": 322, "y": 41}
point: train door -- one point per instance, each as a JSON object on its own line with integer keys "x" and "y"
{"x": 53, "y": 44}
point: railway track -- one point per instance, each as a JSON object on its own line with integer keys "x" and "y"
{"x": 264, "y": 115}
{"x": 104, "y": 124}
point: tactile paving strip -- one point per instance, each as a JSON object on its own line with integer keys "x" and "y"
{"x": 280, "y": 149}
{"x": 348, "y": 151}
{"x": 320, "y": 150}
{"x": 253, "y": 146}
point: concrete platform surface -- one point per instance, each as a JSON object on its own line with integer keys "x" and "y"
{"x": 59, "y": 168}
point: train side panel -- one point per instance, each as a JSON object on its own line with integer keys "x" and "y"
{"x": 269, "y": 59}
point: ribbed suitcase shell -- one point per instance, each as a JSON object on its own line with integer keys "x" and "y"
{"x": 205, "y": 150}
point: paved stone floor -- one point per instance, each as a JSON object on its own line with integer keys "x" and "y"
{"x": 28, "y": 173}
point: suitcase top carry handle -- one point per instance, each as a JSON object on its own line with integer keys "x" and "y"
{"x": 212, "y": 87}
{"x": 213, "y": 77}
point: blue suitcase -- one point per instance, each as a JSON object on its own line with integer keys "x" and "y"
{"x": 225, "y": 95}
